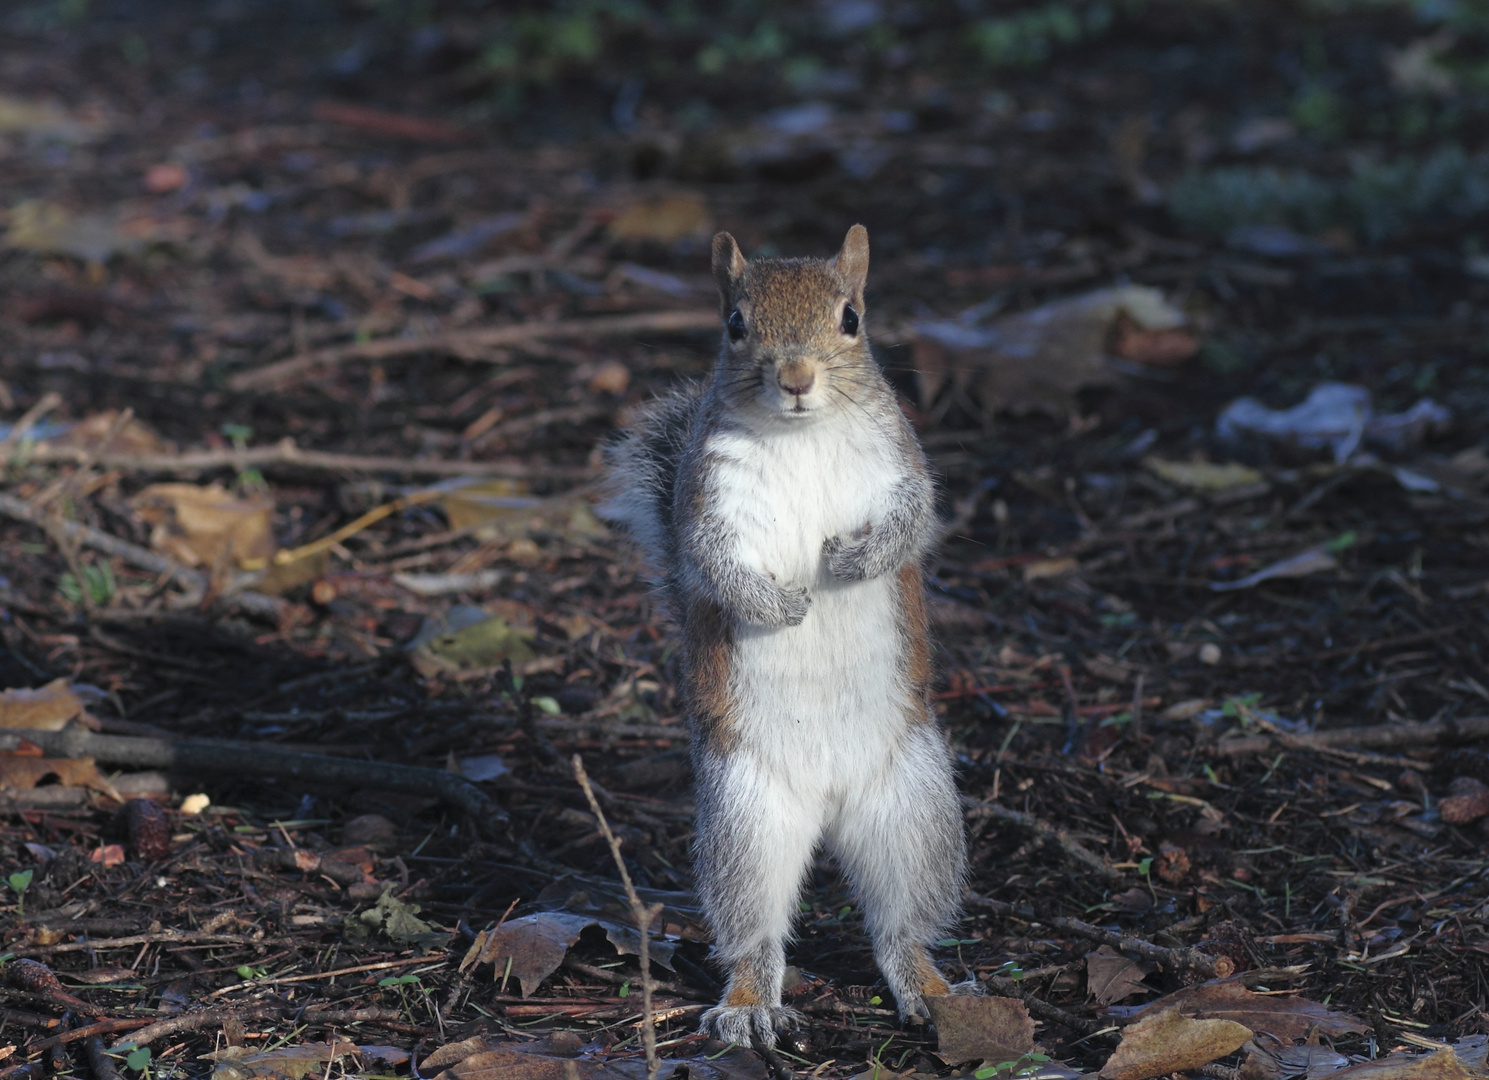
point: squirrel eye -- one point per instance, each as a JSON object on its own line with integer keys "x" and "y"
{"x": 850, "y": 321}
{"x": 736, "y": 325}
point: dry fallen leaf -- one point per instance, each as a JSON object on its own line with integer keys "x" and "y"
{"x": 970, "y": 1027}
{"x": 1110, "y": 976}
{"x": 558, "y": 1058}
{"x": 204, "y": 525}
{"x": 536, "y": 945}
{"x": 1168, "y": 1041}
{"x": 1202, "y": 475}
{"x": 1286, "y": 1016}
{"x": 46, "y": 708}
{"x": 22, "y": 771}
{"x": 665, "y": 220}
{"x": 1315, "y": 560}
{"x": 291, "y": 1062}
{"x": 1036, "y": 361}
{"x": 1441, "y": 1064}
{"x": 1166, "y": 347}
{"x": 132, "y": 437}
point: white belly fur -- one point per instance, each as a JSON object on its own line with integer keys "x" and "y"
{"x": 822, "y": 705}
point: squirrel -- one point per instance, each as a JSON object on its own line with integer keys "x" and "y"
{"x": 786, "y": 506}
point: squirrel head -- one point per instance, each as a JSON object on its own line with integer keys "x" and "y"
{"x": 794, "y": 340}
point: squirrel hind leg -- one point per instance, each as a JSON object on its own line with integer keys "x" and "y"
{"x": 902, "y": 846}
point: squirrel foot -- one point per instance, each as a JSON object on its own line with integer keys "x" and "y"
{"x": 742, "y": 1024}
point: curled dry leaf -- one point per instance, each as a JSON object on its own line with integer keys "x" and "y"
{"x": 558, "y": 1059}
{"x": 1036, "y": 361}
{"x": 1442, "y": 1064}
{"x": 536, "y": 945}
{"x": 22, "y": 771}
{"x": 1285, "y": 1016}
{"x": 291, "y": 1062}
{"x": 1168, "y": 1041}
{"x": 1110, "y": 976}
{"x": 970, "y": 1027}
{"x": 665, "y": 220}
{"x": 46, "y": 708}
{"x": 203, "y": 526}
{"x": 1203, "y": 476}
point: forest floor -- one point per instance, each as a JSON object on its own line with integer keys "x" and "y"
{"x": 306, "y": 351}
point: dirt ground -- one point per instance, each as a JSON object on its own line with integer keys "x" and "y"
{"x": 387, "y": 275}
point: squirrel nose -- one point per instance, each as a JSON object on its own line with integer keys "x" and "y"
{"x": 796, "y": 378}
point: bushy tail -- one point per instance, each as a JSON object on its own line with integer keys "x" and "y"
{"x": 643, "y": 471}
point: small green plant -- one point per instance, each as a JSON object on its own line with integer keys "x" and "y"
{"x": 1020, "y": 1066}
{"x": 99, "y": 585}
{"x": 137, "y": 1058}
{"x": 19, "y": 882}
{"x": 246, "y": 972}
{"x": 1011, "y": 970}
{"x": 401, "y": 984}
{"x": 250, "y": 481}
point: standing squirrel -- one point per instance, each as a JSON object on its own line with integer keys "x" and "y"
{"x": 786, "y": 506}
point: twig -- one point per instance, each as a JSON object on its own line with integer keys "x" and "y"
{"x": 468, "y": 342}
{"x": 1044, "y": 831}
{"x": 193, "y": 581}
{"x": 1172, "y": 959}
{"x": 1042, "y": 1010}
{"x": 640, "y": 912}
{"x": 1464, "y": 729}
{"x": 98, "y": 1061}
{"x": 777, "y": 1064}
{"x": 211, "y": 755}
{"x": 48, "y": 401}
{"x": 286, "y": 453}
{"x": 216, "y": 1017}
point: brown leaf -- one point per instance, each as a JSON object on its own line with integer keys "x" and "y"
{"x": 1157, "y": 348}
{"x": 663, "y": 221}
{"x": 558, "y": 1059}
{"x": 1168, "y": 1041}
{"x": 1441, "y": 1064}
{"x": 201, "y": 526}
{"x": 46, "y": 708}
{"x": 1036, "y": 361}
{"x": 1110, "y": 976}
{"x": 1287, "y": 1017}
{"x": 536, "y": 945}
{"x": 25, "y": 771}
{"x": 1468, "y": 801}
{"x": 293, "y": 1062}
{"x": 132, "y": 437}
{"x": 970, "y": 1027}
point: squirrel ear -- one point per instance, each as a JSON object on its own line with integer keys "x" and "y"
{"x": 852, "y": 263}
{"x": 728, "y": 264}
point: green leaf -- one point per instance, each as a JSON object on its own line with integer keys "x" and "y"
{"x": 138, "y": 1058}
{"x": 20, "y": 881}
{"x": 548, "y": 705}
{"x": 1145, "y": 867}
{"x": 876, "y": 1000}
{"x": 1342, "y": 542}
{"x": 625, "y": 990}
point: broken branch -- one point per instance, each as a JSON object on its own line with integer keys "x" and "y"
{"x": 467, "y": 342}
{"x": 210, "y": 755}
{"x": 1376, "y": 736}
{"x": 643, "y": 915}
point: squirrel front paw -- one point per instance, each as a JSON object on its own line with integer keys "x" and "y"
{"x": 769, "y": 604}
{"x": 794, "y": 604}
{"x": 849, "y": 560}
